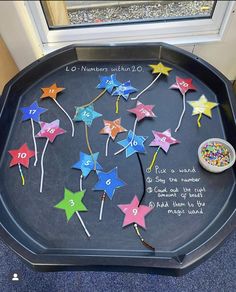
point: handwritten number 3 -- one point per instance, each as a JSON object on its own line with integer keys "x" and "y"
{"x": 72, "y": 203}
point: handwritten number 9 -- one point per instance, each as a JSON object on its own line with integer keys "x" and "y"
{"x": 135, "y": 212}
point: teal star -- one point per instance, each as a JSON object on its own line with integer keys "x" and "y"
{"x": 86, "y": 114}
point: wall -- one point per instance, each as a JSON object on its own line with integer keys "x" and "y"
{"x": 27, "y": 47}
{"x": 8, "y": 66}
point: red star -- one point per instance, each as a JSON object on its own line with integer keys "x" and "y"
{"x": 50, "y": 130}
{"x": 135, "y": 213}
{"x": 142, "y": 111}
{"x": 51, "y": 91}
{"x": 21, "y": 155}
{"x": 183, "y": 85}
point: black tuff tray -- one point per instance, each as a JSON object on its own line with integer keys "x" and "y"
{"x": 39, "y": 233}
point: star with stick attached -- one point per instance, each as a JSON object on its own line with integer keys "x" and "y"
{"x": 50, "y": 130}
{"x": 72, "y": 203}
{"x": 21, "y": 155}
{"x": 135, "y": 213}
{"x": 133, "y": 143}
{"x": 87, "y": 163}
{"x": 112, "y": 128}
{"x": 51, "y": 91}
{"x": 160, "y": 68}
{"x": 32, "y": 112}
{"x": 183, "y": 84}
{"x": 142, "y": 111}
{"x": 163, "y": 140}
{"x": 202, "y": 106}
{"x": 108, "y": 82}
{"x": 124, "y": 90}
{"x": 86, "y": 114}
{"x": 108, "y": 182}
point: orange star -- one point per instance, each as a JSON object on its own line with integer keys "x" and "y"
{"x": 112, "y": 128}
{"x": 51, "y": 91}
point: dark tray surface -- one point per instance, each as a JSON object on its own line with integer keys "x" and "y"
{"x": 45, "y": 228}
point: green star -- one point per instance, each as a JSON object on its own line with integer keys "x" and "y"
{"x": 72, "y": 203}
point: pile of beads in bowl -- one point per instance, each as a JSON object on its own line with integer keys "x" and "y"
{"x": 216, "y": 154}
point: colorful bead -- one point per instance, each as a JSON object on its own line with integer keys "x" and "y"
{"x": 216, "y": 154}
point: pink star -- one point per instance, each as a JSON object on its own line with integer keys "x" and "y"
{"x": 183, "y": 85}
{"x": 135, "y": 213}
{"x": 142, "y": 111}
{"x": 163, "y": 139}
{"x": 50, "y": 130}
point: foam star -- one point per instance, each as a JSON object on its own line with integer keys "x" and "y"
{"x": 112, "y": 128}
{"x": 163, "y": 140}
{"x": 21, "y": 155}
{"x": 202, "y": 106}
{"x": 142, "y": 111}
{"x": 135, "y": 146}
{"x": 50, "y": 130}
{"x": 135, "y": 213}
{"x": 160, "y": 68}
{"x": 72, "y": 203}
{"x": 86, "y": 163}
{"x": 86, "y": 114}
{"x": 108, "y": 82}
{"x": 124, "y": 90}
{"x": 183, "y": 84}
{"x": 32, "y": 112}
{"x": 51, "y": 91}
{"x": 108, "y": 182}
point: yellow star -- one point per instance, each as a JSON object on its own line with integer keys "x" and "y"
{"x": 160, "y": 68}
{"x": 202, "y": 106}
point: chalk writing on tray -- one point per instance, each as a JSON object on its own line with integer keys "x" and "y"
{"x": 117, "y": 68}
{"x": 176, "y": 191}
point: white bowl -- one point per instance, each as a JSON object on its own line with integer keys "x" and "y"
{"x": 213, "y": 168}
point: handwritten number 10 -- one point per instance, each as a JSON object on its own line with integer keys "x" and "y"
{"x": 21, "y": 155}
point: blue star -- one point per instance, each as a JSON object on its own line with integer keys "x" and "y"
{"x": 108, "y": 82}
{"x": 86, "y": 163}
{"x": 108, "y": 182}
{"x": 124, "y": 90}
{"x": 32, "y": 112}
{"x": 86, "y": 114}
{"x": 135, "y": 146}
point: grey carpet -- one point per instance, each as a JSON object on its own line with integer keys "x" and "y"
{"x": 218, "y": 273}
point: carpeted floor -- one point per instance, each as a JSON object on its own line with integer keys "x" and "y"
{"x": 218, "y": 273}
